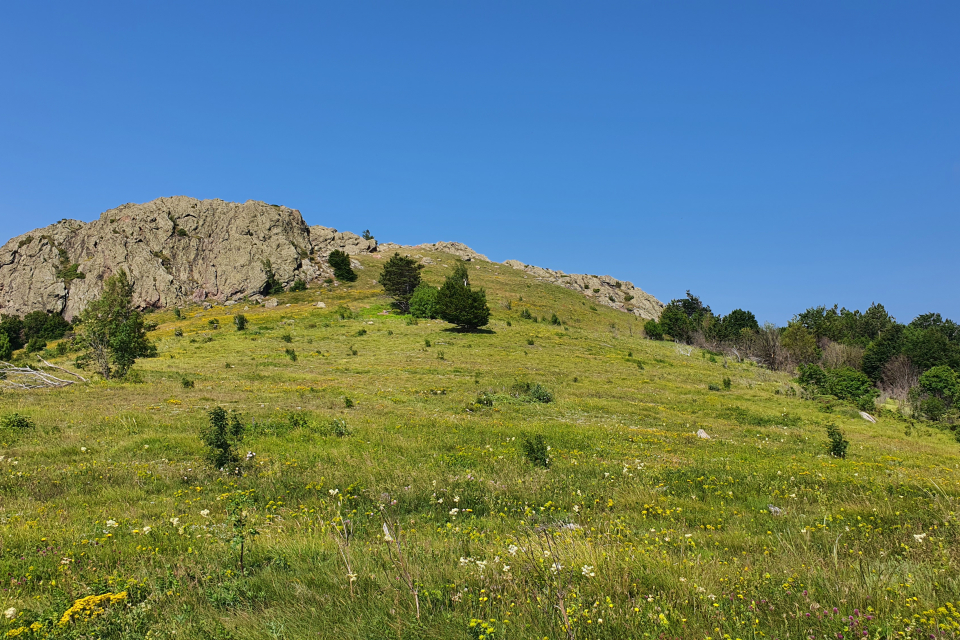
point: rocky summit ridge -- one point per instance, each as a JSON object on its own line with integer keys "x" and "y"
{"x": 180, "y": 249}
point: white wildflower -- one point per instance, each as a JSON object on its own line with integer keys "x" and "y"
{"x": 10, "y": 613}
{"x": 587, "y": 571}
{"x": 512, "y": 549}
{"x": 919, "y": 536}
{"x": 454, "y": 512}
{"x": 112, "y": 523}
{"x": 556, "y": 566}
{"x": 386, "y": 533}
{"x": 175, "y": 522}
{"x": 333, "y": 492}
{"x": 205, "y": 513}
{"x": 146, "y": 530}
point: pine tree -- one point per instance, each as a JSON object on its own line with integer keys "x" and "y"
{"x": 399, "y": 278}
{"x": 458, "y": 304}
{"x": 340, "y": 262}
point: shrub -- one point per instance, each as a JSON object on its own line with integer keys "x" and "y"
{"x": 298, "y": 285}
{"x": 653, "y": 330}
{"x": 177, "y": 313}
{"x": 286, "y": 337}
{"x": 400, "y": 279}
{"x": 554, "y": 320}
{"x": 535, "y": 450}
{"x": 727, "y": 384}
{"x": 459, "y": 305}
{"x": 838, "y": 444}
{"x": 535, "y": 392}
{"x": 347, "y": 402}
{"x": 6, "y": 348}
{"x": 423, "y": 302}
{"x": 186, "y": 383}
{"x": 16, "y": 422}
{"x": 178, "y": 332}
{"x": 222, "y": 437}
{"x": 849, "y": 384}
{"x": 214, "y": 323}
{"x": 526, "y": 315}
{"x": 933, "y": 408}
{"x": 941, "y": 382}
{"x": 361, "y": 332}
{"x": 484, "y": 399}
{"x": 36, "y": 344}
{"x": 530, "y": 341}
{"x": 426, "y": 342}
{"x": 338, "y": 427}
{"x": 291, "y": 353}
{"x": 240, "y": 321}
{"x": 342, "y": 270}
{"x": 271, "y": 284}
{"x": 713, "y": 387}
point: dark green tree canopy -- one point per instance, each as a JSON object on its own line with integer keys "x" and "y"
{"x": 342, "y": 270}
{"x": 400, "y": 278}
{"x": 423, "y": 303}
{"x": 458, "y": 304}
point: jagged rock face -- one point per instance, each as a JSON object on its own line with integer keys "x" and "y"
{"x": 326, "y": 240}
{"x": 605, "y": 290}
{"x": 175, "y": 250}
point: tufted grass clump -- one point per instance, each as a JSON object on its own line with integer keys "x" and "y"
{"x": 533, "y": 392}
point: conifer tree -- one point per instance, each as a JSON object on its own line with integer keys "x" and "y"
{"x": 458, "y": 304}
{"x": 399, "y": 278}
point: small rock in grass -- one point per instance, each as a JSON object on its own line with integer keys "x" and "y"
{"x": 703, "y": 434}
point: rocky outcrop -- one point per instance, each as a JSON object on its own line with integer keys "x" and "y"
{"x": 175, "y": 249}
{"x": 605, "y": 290}
{"x": 180, "y": 249}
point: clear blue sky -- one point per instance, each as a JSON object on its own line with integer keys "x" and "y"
{"x": 766, "y": 155}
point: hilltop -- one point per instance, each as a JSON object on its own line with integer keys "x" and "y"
{"x": 179, "y": 250}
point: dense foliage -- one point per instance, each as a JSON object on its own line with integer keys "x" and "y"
{"x": 423, "y": 302}
{"x": 340, "y": 262}
{"x": 113, "y": 330}
{"x": 400, "y": 278}
{"x": 458, "y": 304}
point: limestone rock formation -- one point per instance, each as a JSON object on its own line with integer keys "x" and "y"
{"x": 605, "y": 290}
{"x": 175, "y": 249}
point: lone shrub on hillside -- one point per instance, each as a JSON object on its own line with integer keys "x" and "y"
{"x": 534, "y": 392}
{"x": 458, "y": 304}
{"x": 554, "y": 320}
{"x": 535, "y": 450}
{"x": 222, "y": 436}
{"x": 240, "y": 321}
{"x": 298, "y": 285}
{"x": 6, "y": 348}
{"x": 400, "y": 278}
{"x": 423, "y": 302}
{"x": 16, "y": 422}
{"x": 526, "y": 315}
{"x": 271, "y": 284}
{"x": 838, "y": 444}
{"x": 342, "y": 270}
{"x": 113, "y": 329}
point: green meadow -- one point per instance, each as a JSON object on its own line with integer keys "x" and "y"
{"x": 392, "y": 486}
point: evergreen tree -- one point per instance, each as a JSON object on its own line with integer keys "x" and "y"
{"x": 458, "y": 304}
{"x": 271, "y": 284}
{"x": 6, "y": 349}
{"x": 400, "y": 278}
{"x": 888, "y": 344}
{"x": 114, "y": 330}
{"x": 342, "y": 270}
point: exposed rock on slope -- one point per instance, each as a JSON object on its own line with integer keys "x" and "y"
{"x": 175, "y": 249}
{"x": 605, "y": 290}
{"x": 181, "y": 249}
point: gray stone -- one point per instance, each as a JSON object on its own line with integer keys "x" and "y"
{"x": 270, "y": 303}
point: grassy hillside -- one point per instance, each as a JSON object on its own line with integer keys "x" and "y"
{"x": 414, "y": 513}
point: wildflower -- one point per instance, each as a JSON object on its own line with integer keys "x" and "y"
{"x": 919, "y": 536}
{"x": 506, "y": 568}
{"x": 65, "y": 561}
{"x": 251, "y": 455}
{"x": 454, "y": 512}
{"x": 112, "y": 523}
{"x": 512, "y": 549}
{"x": 83, "y": 449}
{"x": 333, "y": 492}
{"x": 587, "y": 571}
{"x": 175, "y": 522}
{"x": 555, "y": 567}
{"x": 10, "y": 613}
{"x": 205, "y": 513}
{"x": 146, "y": 530}
{"x": 386, "y": 533}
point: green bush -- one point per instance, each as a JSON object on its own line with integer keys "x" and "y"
{"x": 338, "y": 427}
{"x": 554, "y": 320}
{"x": 240, "y": 321}
{"x": 271, "y": 284}
{"x": 536, "y": 451}
{"x": 298, "y": 285}
{"x": 933, "y": 408}
{"x": 653, "y": 330}
{"x": 291, "y": 353}
{"x": 36, "y": 344}
{"x": 942, "y": 383}
{"x": 400, "y": 279}
{"x": 342, "y": 270}
{"x": 727, "y": 384}
{"x": 526, "y": 315}
{"x": 534, "y": 392}
{"x": 838, "y": 444}
{"x": 6, "y": 348}
{"x": 186, "y": 383}
{"x": 16, "y": 422}
{"x": 423, "y": 302}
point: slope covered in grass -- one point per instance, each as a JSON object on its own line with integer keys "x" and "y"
{"x": 392, "y": 496}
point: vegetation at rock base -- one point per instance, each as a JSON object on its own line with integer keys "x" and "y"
{"x": 113, "y": 518}
{"x": 340, "y": 262}
{"x": 114, "y": 333}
